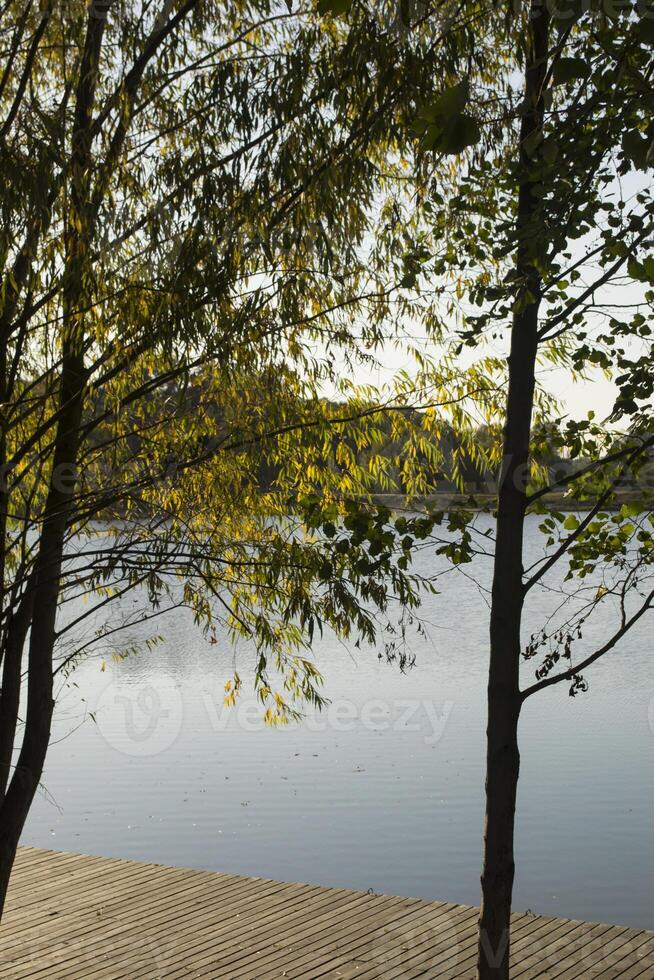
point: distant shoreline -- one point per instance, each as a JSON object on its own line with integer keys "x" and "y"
{"x": 444, "y": 501}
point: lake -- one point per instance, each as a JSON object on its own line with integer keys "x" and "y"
{"x": 384, "y": 789}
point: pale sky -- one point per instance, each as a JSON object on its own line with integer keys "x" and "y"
{"x": 578, "y": 397}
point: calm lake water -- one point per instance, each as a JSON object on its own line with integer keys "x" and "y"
{"x": 384, "y": 790}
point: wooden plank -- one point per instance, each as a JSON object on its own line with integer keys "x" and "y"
{"x": 636, "y": 961}
{"x": 316, "y": 944}
{"x": 564, "y": 935}
{"x": 587, "y": 959}
{"x": 460, "y": 960}
{"x": 71, "y": 917}
{"x": 202, "y": 938}
{"x": 334, "y": 947}
{"x": 80, "y": 893}
{"x": 278, "y": 931}
{"x": 77, "y": 888}
{"x": 160, "y": 909}
{"x": 387, "y": 948}
{"x": 134, "y": 932}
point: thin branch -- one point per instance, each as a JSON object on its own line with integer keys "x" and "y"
{"x": 584, "y": 470}
{"x": 567, "y": 675}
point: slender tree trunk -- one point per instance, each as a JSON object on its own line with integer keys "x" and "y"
{"x": 48, "y": 567}
{"x": 29, "y": 766}
{"x": 504, "y": 699}
{"x": 14, "y": 636}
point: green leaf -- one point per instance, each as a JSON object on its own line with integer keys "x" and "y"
{"x": 334, "y": 7}
{"x": 646, "y": 28}
{"x": 569, "y": 69}
{"x": 449, "y": 104}
{"x": 635, "y": 147}
{"x": 571, "y": 523}
{"x": 642, "y": 271}
{"x": 636, "y": 269}
{"x": 462, "y": 132}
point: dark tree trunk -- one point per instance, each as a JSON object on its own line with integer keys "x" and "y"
{"x": 13, "y": 642}
{"x": 29, "y": 766}
{"x": 504, "y": 700}
{"x": 45, "y": 588}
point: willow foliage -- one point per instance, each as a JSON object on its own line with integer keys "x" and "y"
{"x": 203, "y": 226}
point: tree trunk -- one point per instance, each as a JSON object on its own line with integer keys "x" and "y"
{"x": 29, "y": 766}
{"x": 62, "y": 483}
{"x": 13, "y": 643}
{"x": 504, "y": 699}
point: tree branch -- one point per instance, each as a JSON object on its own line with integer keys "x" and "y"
{"x": 567, "y": 675}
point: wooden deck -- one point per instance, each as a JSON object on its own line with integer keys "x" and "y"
{"x": 90, "y": 918}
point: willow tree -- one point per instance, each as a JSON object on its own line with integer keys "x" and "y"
{"x": 189, "y": 197}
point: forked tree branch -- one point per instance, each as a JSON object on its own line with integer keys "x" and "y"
{"x": 568, "y": 675}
